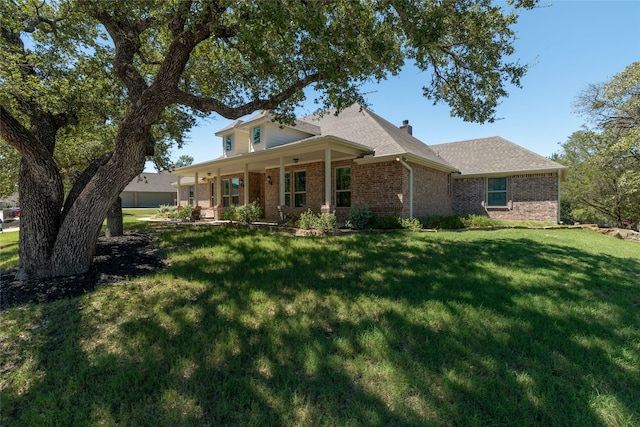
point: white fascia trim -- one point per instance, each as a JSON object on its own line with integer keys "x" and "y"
{"x": 407, "y": 157}
{"x": 507, "y": 173}
{"x": 301, "y": 147}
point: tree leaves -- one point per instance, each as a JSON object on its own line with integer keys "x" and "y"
{"x": 604, "y": 161}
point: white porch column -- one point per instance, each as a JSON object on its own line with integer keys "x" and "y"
{"x": 195, "y": 191}
{"x": 178, "y": 191}
{"x": 246, "y": 184}
{"x": 281, "y": 183}
{"x": 218, "y": 188}
{"x": 327, "y": 180}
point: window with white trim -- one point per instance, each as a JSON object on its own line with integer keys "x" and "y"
{"x": 226, "y": 192}
{"x": 191, "y": 194}
{"x": 343, "y": 187}
{"x": 299, "y": 189}
{"x": 228, "y": 143}
{"x": 255, "y": 134}
{"x": 497, "y": 192}
{"x": 235, "y": 191}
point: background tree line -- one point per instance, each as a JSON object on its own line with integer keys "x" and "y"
{"x": 602, "y": 183}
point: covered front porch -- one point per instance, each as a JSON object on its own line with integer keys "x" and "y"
{"x": 290, "y": 178}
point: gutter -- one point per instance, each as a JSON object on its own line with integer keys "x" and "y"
{"x": 410, "y": 169}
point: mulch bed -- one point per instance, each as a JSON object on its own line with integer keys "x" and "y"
{"x": 116, "y": 259}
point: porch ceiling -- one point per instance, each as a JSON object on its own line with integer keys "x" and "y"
{"x": 307, "y": 151}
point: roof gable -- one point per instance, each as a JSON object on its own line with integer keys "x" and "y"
{"x": 360, "y": 125}
{"x": 268, "y": 117}
{"x": 493, "y": 155}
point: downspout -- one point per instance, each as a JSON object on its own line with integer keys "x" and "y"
{"x": 559, "y": 216}
{"x": 410, "y": 169}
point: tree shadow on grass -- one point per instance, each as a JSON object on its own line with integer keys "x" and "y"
{"x": 361, "y": 330}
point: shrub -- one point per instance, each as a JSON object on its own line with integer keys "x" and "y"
{"x": 249, "y": 213}
{"x": 478, "y": 221}
{"x": 324, "y": 222}
{"x": 165, "y": 211}
{"x": 411, "y": 224}
{"x": 229, "y": 213}
{"x": 441, "y": 222}
{"x": 307, "y": 220}
{"x": 327, "y": 222}
{"x": 359, "y": 218}
{"x": 387, "y": 222}
{"x": 184, "y": 212}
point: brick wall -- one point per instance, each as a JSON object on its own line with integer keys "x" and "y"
{"x": 430, "y": 193}
{"x": 256, "y": 189}
{"x": 314, "y": 189}
{"x": 384, "y": 187}
{"x": 468, "y": 196}
{"x": 271, "y": 194}
{"x": 532, "y": 197}
{"x": 381, "y": 186}
{"x": 204, "y": 194}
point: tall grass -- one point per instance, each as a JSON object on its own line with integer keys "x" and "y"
{"x": 508, "y": 327}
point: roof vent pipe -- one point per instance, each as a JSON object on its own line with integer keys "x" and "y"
{"x": 406, "y": 127}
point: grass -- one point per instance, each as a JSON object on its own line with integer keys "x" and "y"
{"x": 249, "y": 327}
{"x": 8, "y": 249}
{"x": 9, "y": 240}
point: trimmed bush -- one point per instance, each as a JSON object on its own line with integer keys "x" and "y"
{"x": 411, "y": 224}
{"x": 387, "y": 222}
{"x": 307, "y": 220}
{"x": 184, "y": 212}
{"x": 455, "y": 222}
{"x": 360, "y": 218}
{"x": 325, "y": 222}
{"x": 249, "y": 213}
{"x": 440, "y": 222}
{"x": 229, "y": 213}
{"x": 478, "y": 221}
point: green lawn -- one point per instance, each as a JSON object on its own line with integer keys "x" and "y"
{"x": 249, "y": 327}
{"x": 9, "y": 240}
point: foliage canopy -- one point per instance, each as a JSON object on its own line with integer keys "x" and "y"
{"x": 603, "y": 181}
{"x": 105, "y": 85}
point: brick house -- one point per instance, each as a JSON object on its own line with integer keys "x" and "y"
{"x": 332, "y": 163}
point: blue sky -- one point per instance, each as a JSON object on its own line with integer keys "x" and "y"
{"x": 569, "y": 45}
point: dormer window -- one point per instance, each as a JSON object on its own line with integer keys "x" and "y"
{"x": 228, "y": 143}
{"x": 255, "y": 134}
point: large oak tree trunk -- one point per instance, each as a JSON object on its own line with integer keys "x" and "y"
{"x": 56, "y": 241}
{"x": 115, "y": 226}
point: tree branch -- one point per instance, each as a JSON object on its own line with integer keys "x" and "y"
{"x": 125, "y": 37}
{"x": 40, "y": 158}
{"x": 83, "y": 180}
{"x": 176, "y": 25}
{"x": 207, "y": 105}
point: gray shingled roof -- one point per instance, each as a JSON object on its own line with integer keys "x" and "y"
{"x": 152, "y": 182}
{"x": 362, "y": 126}
{"x": 493, "y": 155}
